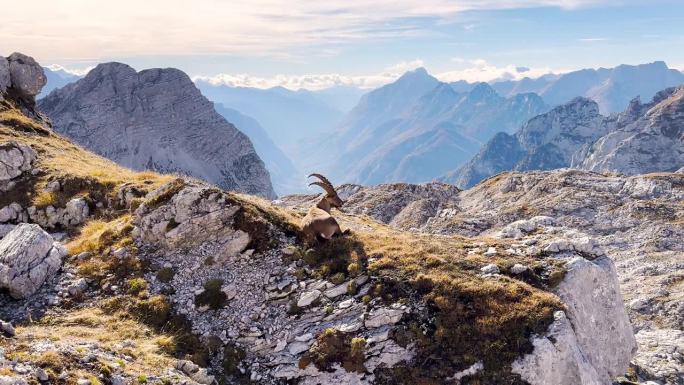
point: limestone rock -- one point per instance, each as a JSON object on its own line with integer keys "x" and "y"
{"x": 26, "y": 74}
{"x": 158, "y": 120}
{"x": 15, "y": 159}
{"x": 594, "y": 342}
{"x": 28, "y": 257}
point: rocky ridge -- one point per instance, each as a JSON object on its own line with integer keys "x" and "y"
{"x": 156, "y": 120}
{"x": 644, "y": 138}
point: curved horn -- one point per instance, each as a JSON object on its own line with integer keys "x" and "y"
{"x": 328, "y": 189}
{"x": 322, "y": 178}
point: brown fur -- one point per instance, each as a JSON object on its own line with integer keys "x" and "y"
{"x": 318, "y": 224}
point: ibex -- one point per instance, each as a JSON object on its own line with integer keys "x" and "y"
{"x": 318, "y": 224}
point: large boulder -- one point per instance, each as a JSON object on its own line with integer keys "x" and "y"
{"x": 15, "y": 159}
{"x": 26, "y": 75}
{"x": 28, "y": 257}
{"x": 592, "y": 341}
{"x": 5, "y": 81}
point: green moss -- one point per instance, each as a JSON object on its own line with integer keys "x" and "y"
{"x": 136, "y": 285}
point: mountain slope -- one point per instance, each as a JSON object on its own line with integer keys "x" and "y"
{"x": 611, "y": 88}
{"x": 418, "y": 128}
{"x": 284, "y": 175}
{"x": 158, "y": 120}
{"x": 642, "y": 139}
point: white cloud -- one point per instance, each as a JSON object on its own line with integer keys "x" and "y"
{"x": 90, "y": 30}
{"x": 314, "y": 81}
{"x": 70, "y": 71}
{"x": 477, "y": 70}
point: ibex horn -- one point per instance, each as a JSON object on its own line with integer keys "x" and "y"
{"x": 322, "y": 178}
{"x": 329, "y": 189}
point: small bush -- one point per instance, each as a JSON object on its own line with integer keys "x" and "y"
{"x": 333, "y": 346}
{"x": 137, "y": 286}
{"x": 165, "y": 274}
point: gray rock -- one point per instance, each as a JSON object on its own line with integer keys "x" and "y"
{"x": 28, "y": 257}
{"x": 382, "y": 317}
{"x": 172, "y": 127}
{"x": 7, "y": 329}
{"x": 308, "y": 297}
{"x": 26, "y": 74}
{"x": 490, "y": 269}
{"x": 5, "y": 81}
{"x": 15, "y": 159}
{"x": 518, "y": 268}
{"x": 41, "y": 375}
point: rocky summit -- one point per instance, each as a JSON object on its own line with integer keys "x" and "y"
{"x": 156, "y": 120}
{"x": 644, "y": 138}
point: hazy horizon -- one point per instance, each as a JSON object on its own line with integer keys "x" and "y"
{"x": 297, "y": 44}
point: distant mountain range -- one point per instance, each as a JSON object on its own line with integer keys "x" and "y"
{"x": 417, "y": 129}
{"x": 643, "y": 138}
{"x": 56, "y": 78}
{"x": 610, "y": 88}
{"x": 287, "y": 116}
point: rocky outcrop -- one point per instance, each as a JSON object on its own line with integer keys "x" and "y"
{"x": 28, "y": 257}
{"x": 156, "y": 120}
{"x": 652, "y": 142}
{"x": 15, "y": 160}
{"x": 643, "y": 138}
{"x": 22, "y": 76}
{"x": 592, "y": 342}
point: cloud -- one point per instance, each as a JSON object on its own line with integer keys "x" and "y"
{"x": 70, "y": 71}
{"x": 92, "y": 30}
{"x": 478, "y": 70}
{"x": 313, "y": 81}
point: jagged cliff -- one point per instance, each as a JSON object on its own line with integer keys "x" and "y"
{"x": 644, "y": 138}
{"x": 156, "y": 120}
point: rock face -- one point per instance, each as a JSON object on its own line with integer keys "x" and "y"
{"x": 156, "y": 119}
{"x": 643, "y": 138}
{"x": 653, "y": 142}
{"x": 28, "y": 257}
{"x": 593, "y": 343}
{"x": 26, "y": 75}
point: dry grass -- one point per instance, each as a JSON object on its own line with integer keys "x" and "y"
{"x": 82, "y": 327}
{"x": 97, "y": 235}
{"x": 473, "y": 318}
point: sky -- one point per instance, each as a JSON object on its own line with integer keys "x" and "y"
{"x": 317, "y": 44}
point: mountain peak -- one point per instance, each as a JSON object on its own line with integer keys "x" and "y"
{"x": 418, "y": 74}
{"x": 482, "y": 91}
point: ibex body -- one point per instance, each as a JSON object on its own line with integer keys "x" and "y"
{"x": 318, "y": 224}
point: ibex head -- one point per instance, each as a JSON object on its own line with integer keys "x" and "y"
{"x": 331, "y": 199}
